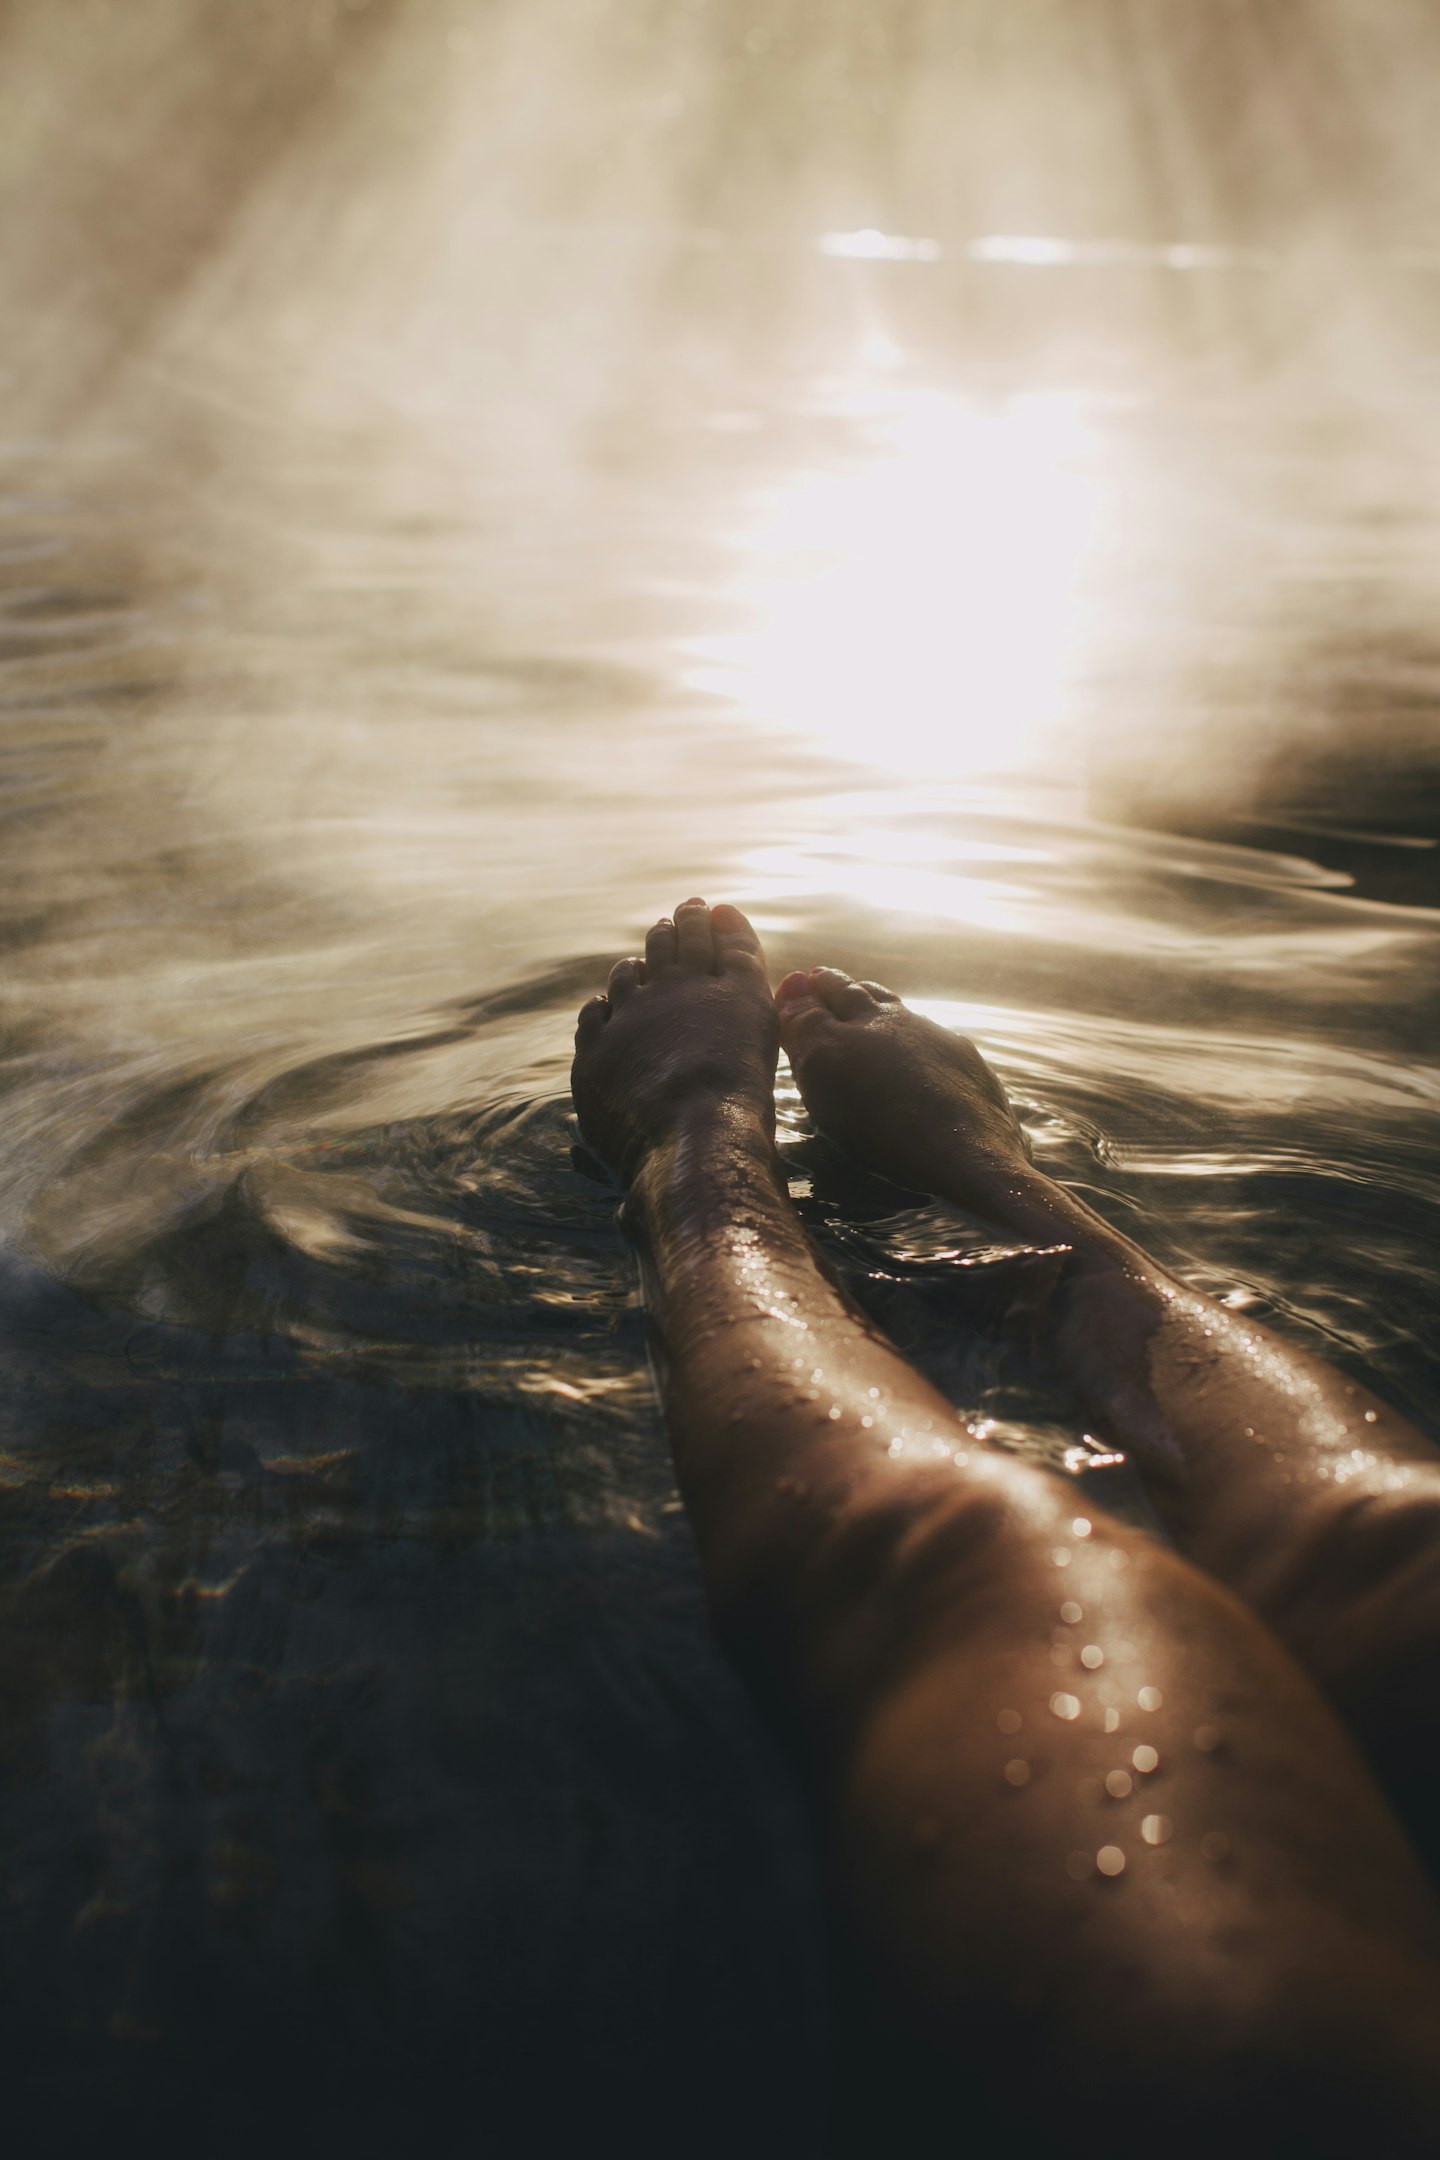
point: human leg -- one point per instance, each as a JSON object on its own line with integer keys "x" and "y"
{"x": 998, "y": 1704}
{"x": 1312, "y": 1499}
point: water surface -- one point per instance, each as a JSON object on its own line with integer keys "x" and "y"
{"x": 368, "y": 1767}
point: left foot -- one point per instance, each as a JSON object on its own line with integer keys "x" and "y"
{"x": 908, "y": 1098}
{"x": 690, "y": 1027}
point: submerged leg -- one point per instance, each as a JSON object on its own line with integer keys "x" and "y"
{"x": 1309, "y": 1496}
{"x": 1060, "y": 1892}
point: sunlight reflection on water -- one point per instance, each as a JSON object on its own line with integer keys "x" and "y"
{"x": 921, "y": 605}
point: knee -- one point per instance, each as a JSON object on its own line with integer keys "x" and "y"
{"x": 838, "y": 1606}
{"x": 1359, "y": 1598}
{"x": 898, "y": 1584}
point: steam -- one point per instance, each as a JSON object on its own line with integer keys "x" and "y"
{"x": 345, "y": 266}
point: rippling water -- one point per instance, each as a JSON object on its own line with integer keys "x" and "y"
{"x": 367, "y": 1761}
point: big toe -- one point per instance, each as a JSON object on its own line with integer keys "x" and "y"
{"x": 805, "y": 1018}
{"x": 736, "y": 945}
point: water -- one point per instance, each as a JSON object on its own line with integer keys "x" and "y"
{"x": 368, "y": 1768}
{"x": 365, "y": 1749}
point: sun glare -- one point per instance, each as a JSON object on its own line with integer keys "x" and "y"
{"x": 922, "y": 605}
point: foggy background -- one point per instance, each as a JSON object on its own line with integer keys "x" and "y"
{"x": 491, "y": 261}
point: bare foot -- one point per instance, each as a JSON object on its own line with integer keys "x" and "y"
{"x": 910, "y": 1099}
{"x": 692, "y": 1025}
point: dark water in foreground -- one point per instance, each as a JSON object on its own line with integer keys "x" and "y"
{"x": 368, "y": 1772}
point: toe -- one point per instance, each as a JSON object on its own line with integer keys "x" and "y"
{"x": 695, "y": 944}
{"x": 803, "y": 1016}
{"x": 660, "y": 947}
{"x": 625, "y": 979}
{"x": 881, "y": 995}
{"x": 795, "y": 992}
{"x": 845, "y": 998}
{"x": 591, "y": 1020}
{"x": 736, "y": 944}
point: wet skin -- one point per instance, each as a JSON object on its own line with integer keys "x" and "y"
{"x": 1295, "y": 1486}
{"x": 1093, "y": 1833}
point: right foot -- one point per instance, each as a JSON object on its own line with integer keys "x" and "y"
{"x": 688, "y": 1033}
{"x": 912, "y": 1101}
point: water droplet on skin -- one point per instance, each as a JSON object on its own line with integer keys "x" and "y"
{"x": 867, "y": 1422}
{"x": 1092, "y": 1657}
{"x": 1078, "y": 1865}
{"x": 1110, "y": 1860}
{"x": 873, "y": 1393}
{"x": 1065, "y": 1706}
{"x": 1371, "y": 1416}
{"x": 1017, "y": 1772}
{"x": 1118, "y": 1784}
{"x": 1150, "y": 1698}
{"x": 1112, "y": 1721}
{"x": 1215, "y": 1845}
{"x": 1061, "y": 1556}
{"x": 1081, "y": 1526}
{"x": 1157, "y": 1829}
{"x": 1071, "y": 1613}
{"x": 940, "y": 1448}
{"x": 896, "y": 1447}
{"x": 1008, "y": 1721}
{"x": 962, "y": 1460}
{"x": 834, "y": 1409}
{"x": 1145, "y": 1759}
{"x": 1207, "y": 1738}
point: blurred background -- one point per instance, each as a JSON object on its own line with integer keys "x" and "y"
{"x": 956, "y": 477}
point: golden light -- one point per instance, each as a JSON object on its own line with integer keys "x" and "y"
{"x": 922, "y": 605}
